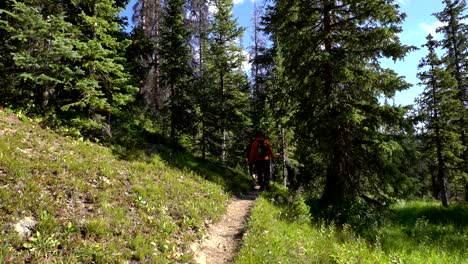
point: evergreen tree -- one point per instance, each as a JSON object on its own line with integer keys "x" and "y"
{"x": 230, "y": 86}
{"x": 455, "y": 33}
{"x": 261, "y": 61}
{"x": 38, "y": 56}
{"x": 175, "y": 69}
{"x": 201, "y": 88}
{"x": 331, "y": 51}
{"x": 104, "y": 88}
{"x": 72, "y": 73}
{"x": 439, "y": 109}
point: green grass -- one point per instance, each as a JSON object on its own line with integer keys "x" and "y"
{"x": 92, "y": 207}
{"x": 418, "y": 232}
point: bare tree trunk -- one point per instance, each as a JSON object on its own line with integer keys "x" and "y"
{"x": 223, "y": 122}
{"x": 435, "y": 183}
{"x": 466, "y": 190}
{"x": 173, "y": 115}
{"x": 223, "y": 146}
{"x": 203, "y": 139}
{"x": 283, "y": 157}
{"x": 442, "y": 172}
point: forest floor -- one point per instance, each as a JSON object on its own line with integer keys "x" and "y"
{"x": 223, "y": 238}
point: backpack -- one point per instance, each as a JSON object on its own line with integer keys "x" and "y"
{"x": 261, "y": 148}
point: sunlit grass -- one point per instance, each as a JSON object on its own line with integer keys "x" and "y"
{"x": 92, "y": 207}
{"x": 424, "y": 229}
{"x": 416, "y": 232}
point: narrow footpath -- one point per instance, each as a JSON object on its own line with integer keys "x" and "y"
{"x": 223, "y": 238}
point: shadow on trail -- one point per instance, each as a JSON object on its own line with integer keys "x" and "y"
{"x": 249, "y": 195}
{"x": 233, "y": 179}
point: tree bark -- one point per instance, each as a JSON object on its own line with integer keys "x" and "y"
{"x": 341, "y": 174}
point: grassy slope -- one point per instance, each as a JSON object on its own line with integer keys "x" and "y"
{"x": 418, "y": 232}
{"x": 91, "y": 206}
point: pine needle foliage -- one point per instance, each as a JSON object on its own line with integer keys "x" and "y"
{"x": 330, "y": 53}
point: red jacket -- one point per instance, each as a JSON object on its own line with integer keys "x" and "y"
{"x": 254, "y": 151}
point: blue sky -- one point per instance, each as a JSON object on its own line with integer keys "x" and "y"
{"x": 419, "y": 22}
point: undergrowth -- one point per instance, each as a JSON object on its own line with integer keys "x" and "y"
{"x": 92, "y": 207}
{"x": 416, "y": 232}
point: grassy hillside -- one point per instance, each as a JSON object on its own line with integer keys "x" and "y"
{"x": 85, "y": 205}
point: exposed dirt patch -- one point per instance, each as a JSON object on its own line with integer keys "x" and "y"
{"x": 223, "y": 238}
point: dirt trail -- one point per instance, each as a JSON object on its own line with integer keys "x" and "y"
{"x": 223, "y": 238}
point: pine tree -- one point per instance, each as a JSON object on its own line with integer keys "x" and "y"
{"x": 261, "y": 62}
{"x": 201, "y": 94}
{"x": 455, "y": 41}
{"x": 104, "y": 89}
{"x": 175, "y": 69}
{"x": 225, "y": 58}
{"x": 331, "y": 51}
{"x": 72, "y": 73}
{"x": 439, "y": 110}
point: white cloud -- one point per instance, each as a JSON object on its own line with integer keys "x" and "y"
{"x": 212, "y": 9}
{"x": 431, "y": 28}
{"x": 246, "y": 66}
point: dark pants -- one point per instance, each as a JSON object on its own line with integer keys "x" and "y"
{"x": 251, "y": 170}
{"x": 263, "y": 173}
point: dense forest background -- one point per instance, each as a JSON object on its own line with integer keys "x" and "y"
{"x": 316, "y": 88}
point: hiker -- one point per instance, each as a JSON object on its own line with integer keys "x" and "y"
{"x": 247, "y": 160}
{"x": 261, "y": 155}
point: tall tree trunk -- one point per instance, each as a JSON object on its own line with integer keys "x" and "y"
{"x": 223, "y": 117}
{"x": 442, "y": 173}
{"x": 203, "y": 139}
{"x": 435, "y": 183}
{"x": 339, "y": 187}
{"x": 223, "y": 147}
{"x": 201, "y": 45}
{"x": 283, "y": 157}
{"x": 466, "y": 190}
{"x": 173, "y": 115}
{"x": 255, "y": 64}
{"x": 328, "y": 71}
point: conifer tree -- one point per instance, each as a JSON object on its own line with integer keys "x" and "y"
{"x": 104, "y": 89}
{"x": 454, "y": 42}
{"x": 175, "y": 69}
{"x": 230, "y": 86}
{"x": 331, "y": 51}
{"x": 439, "y": 110}
{"x": 261, "y": 60}
{"x": 201, "y": 94}
{"x": 72, "y": 73}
